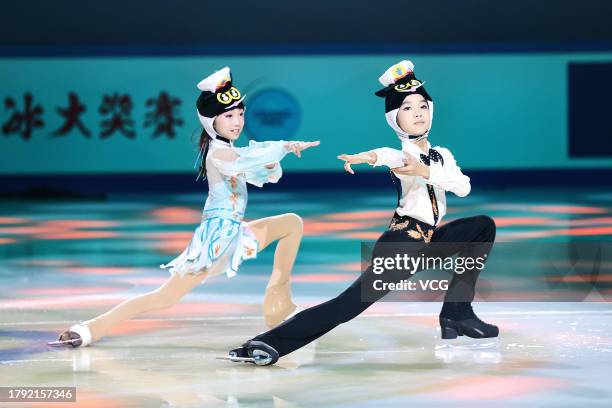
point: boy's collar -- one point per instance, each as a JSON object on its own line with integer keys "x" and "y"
{"x": 412, "y": 147}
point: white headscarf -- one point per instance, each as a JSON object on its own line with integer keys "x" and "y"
{"x": 211, "y": 83}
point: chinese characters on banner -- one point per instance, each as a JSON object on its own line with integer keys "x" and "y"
{"x": 115, "y": 110}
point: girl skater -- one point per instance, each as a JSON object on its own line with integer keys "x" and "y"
{"x": 222, "y": 240}
{"x": 423, "y": 174}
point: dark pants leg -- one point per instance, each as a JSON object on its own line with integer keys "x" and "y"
{"x": 471, "y": 237}
{"x": 312, "y": 323}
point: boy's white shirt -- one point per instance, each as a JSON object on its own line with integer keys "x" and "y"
{"x": 414, "y": 200}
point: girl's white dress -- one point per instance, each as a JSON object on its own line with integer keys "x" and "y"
{"x": 223, "y": 239}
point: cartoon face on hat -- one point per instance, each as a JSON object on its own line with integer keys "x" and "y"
{"x": 399, "y": 81}
{"x": 218, "y": 95}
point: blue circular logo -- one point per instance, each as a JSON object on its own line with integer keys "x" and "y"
{"x": 272, "y": 114}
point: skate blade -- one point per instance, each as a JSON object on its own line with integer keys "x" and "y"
{"x": 481, "y": 356}
{"x": 62, "y": 342}
{"x": 237, "y": 359}
{"x": 469, "y": 344}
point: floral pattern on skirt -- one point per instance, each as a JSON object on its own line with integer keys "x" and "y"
{"x": 212, "y": 239}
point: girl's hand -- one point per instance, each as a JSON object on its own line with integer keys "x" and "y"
{"x": 356, "y": 159}
{"x": 270, "y": 166}
{"x": 412, "y": 167}
{"x": 298, "y": 147}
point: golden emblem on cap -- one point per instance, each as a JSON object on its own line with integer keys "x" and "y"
{"x": 399, "y": 71}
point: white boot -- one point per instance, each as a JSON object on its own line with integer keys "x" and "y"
{"x": 83, "y": 331}
{"x": 76, "y": 336}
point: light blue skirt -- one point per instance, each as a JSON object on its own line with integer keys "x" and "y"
{"x": 218, "y": 245}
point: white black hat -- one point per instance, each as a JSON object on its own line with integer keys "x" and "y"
{"x": 218, "y": 95}
{"x": 399, "y": 81}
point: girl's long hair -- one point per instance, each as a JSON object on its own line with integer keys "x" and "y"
{"x": 203, "y": 145}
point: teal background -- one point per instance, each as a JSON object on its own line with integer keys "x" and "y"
{"x": 493, "y": 111}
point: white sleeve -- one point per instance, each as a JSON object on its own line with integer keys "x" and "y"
{"x": 264, "y": 175}
{"x": 252, "y": 158}
{"x": 275, "y": 173}
{"x": 386, "y": 156}
{"x": 449, "y": 176}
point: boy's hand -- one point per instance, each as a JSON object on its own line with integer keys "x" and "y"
{"x": 356, "y": 159}
{"x": 412, "y": 167}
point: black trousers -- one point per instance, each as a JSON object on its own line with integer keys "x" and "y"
{"x": 312, "y": 323}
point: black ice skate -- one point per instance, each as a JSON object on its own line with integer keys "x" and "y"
{"x": 256, "y": 352}
{"x": 459, "y": 319}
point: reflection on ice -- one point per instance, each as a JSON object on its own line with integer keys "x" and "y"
{"x": 479, "y": 353}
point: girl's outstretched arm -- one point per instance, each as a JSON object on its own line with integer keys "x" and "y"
{"x": 256, "y": 156}
{"x": 270, "y": 173}
{"x": 230, "y": 162}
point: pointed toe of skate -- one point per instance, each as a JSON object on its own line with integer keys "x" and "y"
{"x": 68, "y": 339}
{"x": 240, "y": 352}
{"x": 273, "y": 318}
{"x": 296, "y": 311}
{"x": 78, "y": 335}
